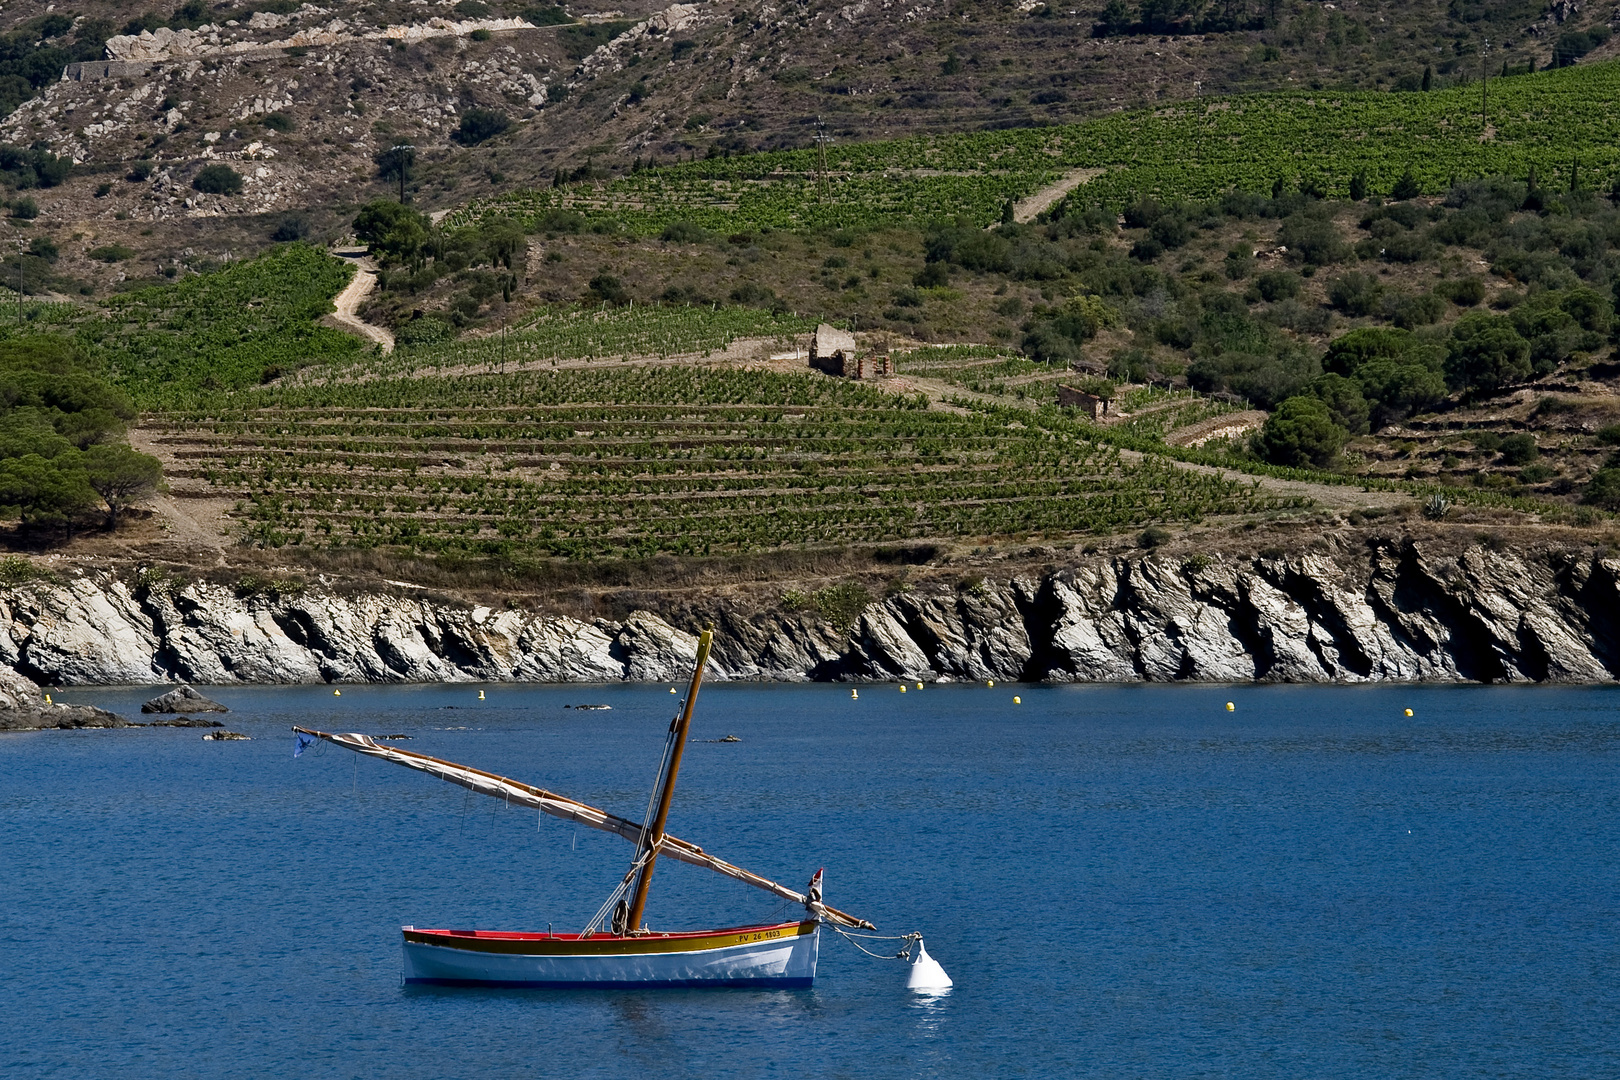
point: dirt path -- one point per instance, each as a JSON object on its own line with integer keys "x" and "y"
{"x": 188, "y": 521}
{"x": 347, "y": 304}
{"x": 1026, "y": 210}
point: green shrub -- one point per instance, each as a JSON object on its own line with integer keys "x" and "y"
{"x": 16, "y": 570}
{"x": 480, "y": 125}
{"x": 1302, "y": 431}
{"x": 605, "y": 288}
{"x": 249, "y": 586}
{"x": 1355, "y": 293}
{"x": 841, "y": 605}
{"x": 1274, "y": 285}
{"x": 1519, "y": 449}
{"x": 111, "y": 253}
{"x": 392, "y": 232}
{"x": 1344, "y": 400}
{"x": 1603, "y": 489}
{"x": 684, "y": 232}
{"x": 427, "y": 330}
{"x": 1464, "y": 292}
{"x": 1486, "y": 353}
{"x": 218, "y": 180}
{"x": 1154, "y": 536}
{"x": 547, "y": 15}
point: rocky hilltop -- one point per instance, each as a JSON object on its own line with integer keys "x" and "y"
{"x": 1394, "y": 610}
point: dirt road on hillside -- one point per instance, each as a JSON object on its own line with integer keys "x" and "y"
{"x": 347, "y": 304}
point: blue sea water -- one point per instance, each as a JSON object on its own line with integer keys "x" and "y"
{"x": 1124, "y": 882}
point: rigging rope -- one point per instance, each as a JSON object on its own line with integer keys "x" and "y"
{"x": 905, "y": 950}
{"x": 614, "y": 897}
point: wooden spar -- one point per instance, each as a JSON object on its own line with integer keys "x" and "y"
{"x": 517, "y": 793}
{"x": 654, "y": 839}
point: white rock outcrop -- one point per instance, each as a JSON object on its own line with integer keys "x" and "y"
{"x": 1391, "y": 613}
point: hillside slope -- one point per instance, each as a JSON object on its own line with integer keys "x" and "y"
{"x": 299, "y": 100}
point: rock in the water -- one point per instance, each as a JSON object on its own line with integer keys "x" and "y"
{"x": 187, "y": 721}
{"x": 23, "y": 707}
{"x": 225, "y": 736}
{"x": 182, "y": 699}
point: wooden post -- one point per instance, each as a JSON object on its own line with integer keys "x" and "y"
{"x": 655, "y": 837}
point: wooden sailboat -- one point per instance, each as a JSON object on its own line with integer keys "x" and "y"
{"x": 626, "y": 953}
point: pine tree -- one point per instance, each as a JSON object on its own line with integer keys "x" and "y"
{"x": 1407, "y": 187}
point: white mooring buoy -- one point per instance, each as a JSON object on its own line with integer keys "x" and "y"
{"x": 927, "y": 977}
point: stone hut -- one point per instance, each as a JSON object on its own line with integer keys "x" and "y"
{"x": 1093, "y": 406}
{"x": 833, "y": 350}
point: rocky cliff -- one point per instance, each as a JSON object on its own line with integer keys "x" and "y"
{"x": 25, "y": 707}
{"x": 1392, "y": 610}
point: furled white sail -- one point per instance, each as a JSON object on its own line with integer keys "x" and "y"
{"x": 516, "y": 793}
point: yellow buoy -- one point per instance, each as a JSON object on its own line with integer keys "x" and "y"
{"x": 1408, "y": 712}
{"x": 672, "y": 689}
{"x": 990, "y": 682}
{"x": 337, "y": 693}
{"x": 1231, "y": 707}
{"x": 480, "y": 695}
{"x": 1017, "y": 700}
{"x": 919, "y": 686}
{"x": 902, "y": 688}
{"x": 48, "y": 700}
{"x": 855, "y": 695}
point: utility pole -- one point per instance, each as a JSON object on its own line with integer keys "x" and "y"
{"x": 403, "y": 156}
{"x": 822, "y": 139}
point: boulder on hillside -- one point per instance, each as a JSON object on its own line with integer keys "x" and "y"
{"x": 182, "y": 699}
{"x": 23, "y": 708}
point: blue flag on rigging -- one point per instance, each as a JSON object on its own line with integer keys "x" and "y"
{"x": 301, "y": 742}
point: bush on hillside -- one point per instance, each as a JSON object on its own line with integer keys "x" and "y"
{"x": 1301, "y": 432}
{"x": 218, "y": 179}
{"x": 480, "y": 125}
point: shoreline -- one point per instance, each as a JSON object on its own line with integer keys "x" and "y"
{"x": 1388, "y": 611}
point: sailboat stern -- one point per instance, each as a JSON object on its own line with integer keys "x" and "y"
{"x": 780, "y": 956}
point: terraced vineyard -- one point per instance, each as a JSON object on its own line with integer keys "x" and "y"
{"x": 579, "y": 333}
{"x": 1547, "y": 120}
{"x": 984, "y": 369}
{"x": 635, "y": 460}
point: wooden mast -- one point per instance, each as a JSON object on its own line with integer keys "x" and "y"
{"x": 655, "y": 836}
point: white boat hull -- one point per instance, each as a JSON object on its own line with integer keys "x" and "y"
{"x": 781, "y": 956}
